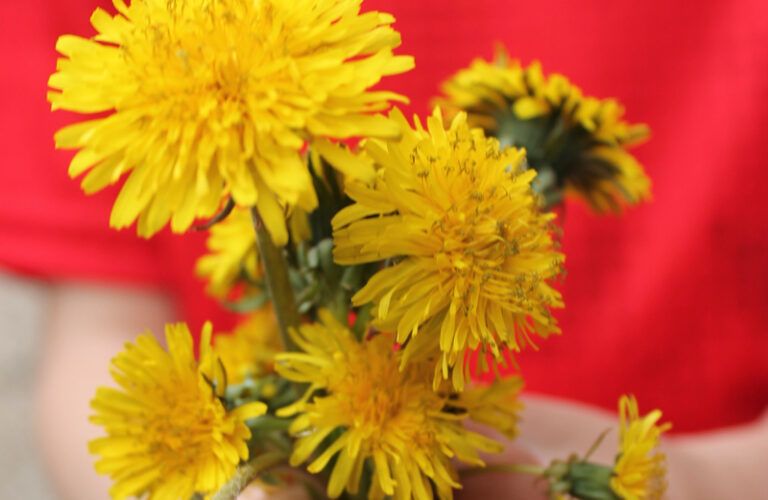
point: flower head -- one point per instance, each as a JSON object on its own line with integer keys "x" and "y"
{"x": 362, "y": 409}
{"x": 496, "y": 405}
{"x": 639, "y": 470}
{"x": 201, "y": 99}
{"x": 637, "y": 474}
{"x": 471, "y": 254}
{"x": 250, "y": 350}
{"x": 232, "y": 253}
{"x": 579, "y": 141}
{"x": 168, "y": 434}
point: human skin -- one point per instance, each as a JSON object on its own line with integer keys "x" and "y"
{"x": 88, "y": 324}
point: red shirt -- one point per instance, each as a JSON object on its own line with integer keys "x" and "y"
{"x": 667, "y": 302}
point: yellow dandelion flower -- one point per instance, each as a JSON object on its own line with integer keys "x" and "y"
{"x": 168, "y": 434}
{"x": 368, "y": 411}
{"x": 210, "y": 98}
{"x": 580, "y": 141}
{"x": 471, "y": 254}
{"x": 496, "y": 405}
{"x": 250, "y": 350}
{"x": 639, "y": 472}
{"x": 232, "y": 252}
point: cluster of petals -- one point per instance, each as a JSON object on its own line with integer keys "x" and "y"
{"x": 640, "y": 471}
{"x": 201, "y": 100}
{"x": 588, "y": 136}
{"x": 360, "y": 406}
{"x": 471, "y": 256}
{"x": 168, "y": 436}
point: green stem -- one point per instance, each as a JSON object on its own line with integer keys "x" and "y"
{"x": 338, "y": 306}
{"x": 534, "y": 470}
{"x": 247, "y": 472}
{"x": 545, "y": 184}
{"x": 276, "y": 274}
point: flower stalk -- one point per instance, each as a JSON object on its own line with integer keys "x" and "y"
{"x": 247, "y": 472}
{"x": 278, "y": 283}
{"x": 534, "y": 470}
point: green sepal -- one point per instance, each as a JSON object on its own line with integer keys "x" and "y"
{"x": 590, "y": 481}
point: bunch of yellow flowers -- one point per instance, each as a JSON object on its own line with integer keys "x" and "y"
{"x": 372, "y": 273}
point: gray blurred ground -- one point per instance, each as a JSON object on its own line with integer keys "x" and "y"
{"x": 22, "y": 303}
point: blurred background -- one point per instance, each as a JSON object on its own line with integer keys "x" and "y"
{"x": 22, "y": 311}
{"x": 667, "y": 302}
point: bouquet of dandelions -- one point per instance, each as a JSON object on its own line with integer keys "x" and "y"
{"x": 376, "y": 259}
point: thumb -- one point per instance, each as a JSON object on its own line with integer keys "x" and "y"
{"x": 506, "y": 485}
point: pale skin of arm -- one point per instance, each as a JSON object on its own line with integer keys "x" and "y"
{"x": 88, "y": 324}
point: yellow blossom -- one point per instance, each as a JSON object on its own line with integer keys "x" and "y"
{"x": 232, "y": 252}
{"x": 583, "y": 140}
{"x": 362, "y": 409}
{"x": 471, "y": 256}
{"x": 197, "y": 100}
{"x": 250, "y": 350}
{"x": 639, "y": 472}
{"x": 496, "y": 405}
{"x": 168, "y": 434}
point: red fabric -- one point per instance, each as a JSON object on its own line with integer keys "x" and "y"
{"x": 668, "y": 302}
{"x": 48, "y": 228}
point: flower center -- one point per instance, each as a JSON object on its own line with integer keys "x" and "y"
{"x": 475, "y": 237}
{"x": 180, "y": 430}
{"x": 382, "y": 401}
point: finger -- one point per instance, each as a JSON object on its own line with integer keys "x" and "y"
{"x": 287, "y": 492}
{"x": 542, "y": 427}
{"x": 505, "y": 485}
